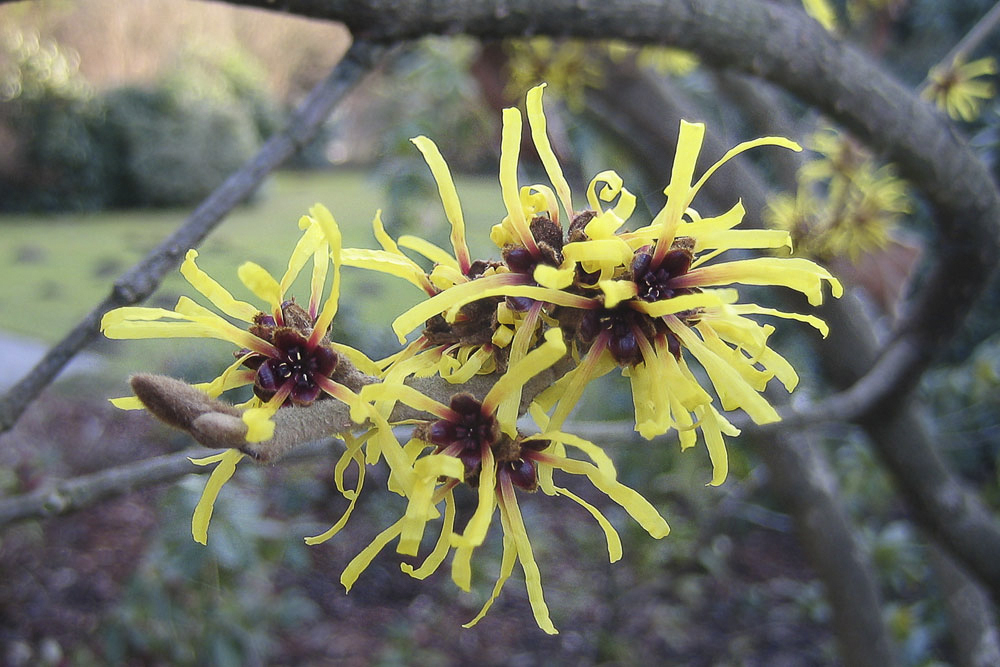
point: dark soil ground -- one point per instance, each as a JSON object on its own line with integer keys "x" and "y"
{"x": 121, "y": 581}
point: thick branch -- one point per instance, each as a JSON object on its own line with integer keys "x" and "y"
{"x": 802, "y": 479}
{"x": 941, "y": 503}
{"x": 142, "y": 279}
{"x": 781, "y": 45}
{"x": 216, "y": 424}
{"x": 971, "y": 614}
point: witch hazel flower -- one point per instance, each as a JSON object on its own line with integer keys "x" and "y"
{"x": 960, "y": 88}
{"x": 487, "y": 333}
{"x": 530, "y": 238}
{"x": 660, "y": 309}
{"x": 282, "y": 351}
{"x": 472, "y": 342}
{"x": 466, "y": 444}
{"x": 846, "y": 206}
{"x": 650, "y": 301}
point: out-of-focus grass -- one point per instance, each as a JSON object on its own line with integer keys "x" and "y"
{"x": 54, "y": 269}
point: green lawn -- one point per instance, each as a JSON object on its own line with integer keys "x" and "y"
{"x": 56, "y": 268}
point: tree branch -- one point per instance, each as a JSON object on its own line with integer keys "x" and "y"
{"x": 947, "y": 509}
{"x": 142, "y": 279}
{"x": 970, "y": 613}
{"x": 974, "y": 37}
{"x": 802, "y": 479}
{"x": 69, "y": 495}
{"x": 758, "y": 37}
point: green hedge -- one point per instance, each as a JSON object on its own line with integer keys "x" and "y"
{"x": 64, "y": 148}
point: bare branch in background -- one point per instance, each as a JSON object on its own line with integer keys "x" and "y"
{"x": 142, "y": 279}
{"x": 975, "y": 37}
{"x": 69, "y": 495}
{"x": 972, "y": 617}
{"x": 803, "y": 481}
{"x": 945, "y": 507}
{"x": 757, "y": 37}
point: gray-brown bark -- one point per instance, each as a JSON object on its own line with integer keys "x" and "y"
{"x": 760, "y": 38}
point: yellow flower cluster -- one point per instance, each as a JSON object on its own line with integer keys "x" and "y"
{"x": 958, "y": 87}
{"x": 570, "y": 66}
{"x": 846, "y": 204}
{"x": 576, "y": 293}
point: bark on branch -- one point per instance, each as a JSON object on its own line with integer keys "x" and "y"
{"x": 69, "y": 495}
{"x": 782, "y": 45}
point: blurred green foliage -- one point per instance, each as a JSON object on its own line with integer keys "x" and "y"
{"x": 172, "y": 150}
{"x": 221, "y": 605}
{"x": 166, "y": 145}
{"x": 428, "y": 90}
{"x": 50, "y": 128}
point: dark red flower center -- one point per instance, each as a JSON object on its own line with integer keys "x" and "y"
{"x": 296, "y": 365}
{"x": 548, "y": 237}
{"x": 622, "y": 324}
{"x": 653, "y": 282}
{"x": 471, "y": 432}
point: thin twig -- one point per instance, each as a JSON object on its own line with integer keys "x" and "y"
{"x": 757, "y": 37}
{"x": 141, "y": 280}
{"x": 975, "y": 37}
{"x": 76, "y": 493}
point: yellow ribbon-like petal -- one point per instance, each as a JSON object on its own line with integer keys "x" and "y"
{"x": 733, "y": 152}
{"x": 261, "y": 283}
{"x": 689, "y": 142}
{"x": 637, "y": 507}
{"x": 536, "y": 361}
{"x": 616, "y": 291}
{"x": 734, "y": 391}
{"x": 796, "y": 273}
{"x": 441, "y": 548}
{"x": 510, "y": 148}
{"x": 532, "y": 577}
{"x": 610, "y": 534}
{"x": 420, "y": 508}
{"x": 554, "y": 278}
{"x": 475, "y": 531}
{"x": 332, "y": 233}
{"x": 305, "y": 248}
{"x": 449, "y": 198}
{"x": 432, "y": 252}
{"x": 507, "y": 563}
{"x": 361, "y": 562}
{"x": 536, "y": 118}
{"x": 386, "y": 262}
{"x": 223, "y": 472}
{"x": 678, "y": 304}
{"x": 214, "y": 292}
{"x": 351, "y": 453}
